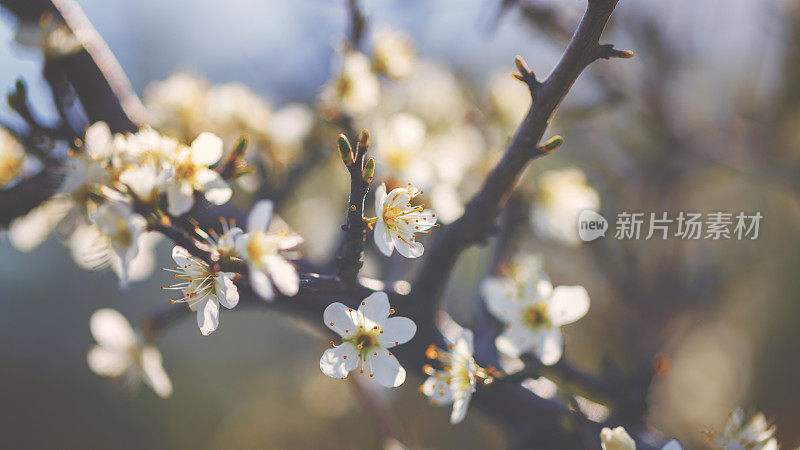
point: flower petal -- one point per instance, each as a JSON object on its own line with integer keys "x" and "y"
{"x": 375, "y": 308}
{"x": 549, "y": 346}
{"x": 397, "y": 330}
{"x": 214, "y": 188}
{"x": 181, "y": 256}
{"x": 110, "y": 329}
{"x": 463, "y": 345}
{"x": 227, "y": 293}
{"x": 438, "y": 391}
{"x": 283, "y": 274}
{"x": 341, "y": 319}
{"x": 386, "y": 368}
{"x": 153, "y": 373}
{"x": 206, "y": 149}
{"x": 516, "y": 340}
{"x": 409, "y": 248}
{"x": 208, "y": 316}
{"x": 380, "y": 198}
{"x": 498, "y": 294}
{"x": 567, "y": 304}
{"x": 259, "y": 216}
{"x": 460, "y": 406}
{"x": 261, "y": 284}
{"x": 337, "y": 362}
{"x": 383, "y": 240}
{"x": 107, "y": 362}
{"x": 180, "y": 198}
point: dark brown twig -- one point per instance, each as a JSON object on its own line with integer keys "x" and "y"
{"x": 349, "y": 262}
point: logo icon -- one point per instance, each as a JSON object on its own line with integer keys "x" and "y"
{"x": 591, "y": 225}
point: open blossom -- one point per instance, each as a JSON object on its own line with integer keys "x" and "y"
{"x": 455, "y": 382}
{"x": 266, "y": 251}
{"x": 12, "y": 155}
{"x": 367, "y": 335}
{"x": 533, "y": 312}
{"x": 353, "y": 87}
{"x": 560, "y": 198}
{"x": 398, "y": 142}
{"x": 755, "y": 434}
{"x": 122, "y": 227}
{"x": 192, "y": 173}
{"x": 398, "y": 223}
{"x": 121, "y": 353}
{"x": 203, "y": 288}
{"x": 393, "y": 54}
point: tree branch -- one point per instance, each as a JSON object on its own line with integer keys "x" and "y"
{"x": 99, "y": 81}
{"x": 349, "y": 262}
{"x": 480, "y": 212}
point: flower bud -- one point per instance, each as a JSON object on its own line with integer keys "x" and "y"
{"x": 363, "y": 139}
{"x": 552, "y": 144}
{"x": 345, "y": 150}
{"x": 369, "y": 171}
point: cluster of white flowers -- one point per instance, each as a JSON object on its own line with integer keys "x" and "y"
{"x": 265, "y": 250}
{"x": 532, "y": 310}
{"x": 419, "y": 113}
{"x": 106, "y": 177}
{"x": 182, "y": 106}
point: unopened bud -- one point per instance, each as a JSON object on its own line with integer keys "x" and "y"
{"x": 369, "y": 171}
{"x": 363, "y": 139}
{"x": 520, "y": 63}
{"x": 241, "y": 146}
{"x": 345, "y": 150}
{"x": 552, "y": 144}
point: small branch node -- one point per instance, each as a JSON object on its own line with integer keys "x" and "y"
{"x": 525, "y": 75}
{"x": 607, "y": 51}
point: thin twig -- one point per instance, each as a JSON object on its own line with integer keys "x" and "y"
{"x": 349, "y": 262}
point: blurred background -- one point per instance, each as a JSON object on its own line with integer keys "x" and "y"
{"x": 703, "y": 119}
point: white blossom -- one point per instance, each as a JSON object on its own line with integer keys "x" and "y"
{"x": 398, "y": 142}
{"x": 266, "y": 254}
{"x": 455, "y": 382}
{"x": 393, "y": 54}
{"x": 398, "y": 223}
{"x": 192, "y": 173}
{"x": 177, "y": 104}
{"x": 121, "y": 353}
{"x": 203, "y": 288}
{"x": 532, "y": 311}
{"x": 367, "y": 335}
{"x": 560, "y": 198}
{"x": 12, "y": 156}
{"x": 121, "y": 227}
{"x": 353, "y": 86}
{"x": 754, "y": 434}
